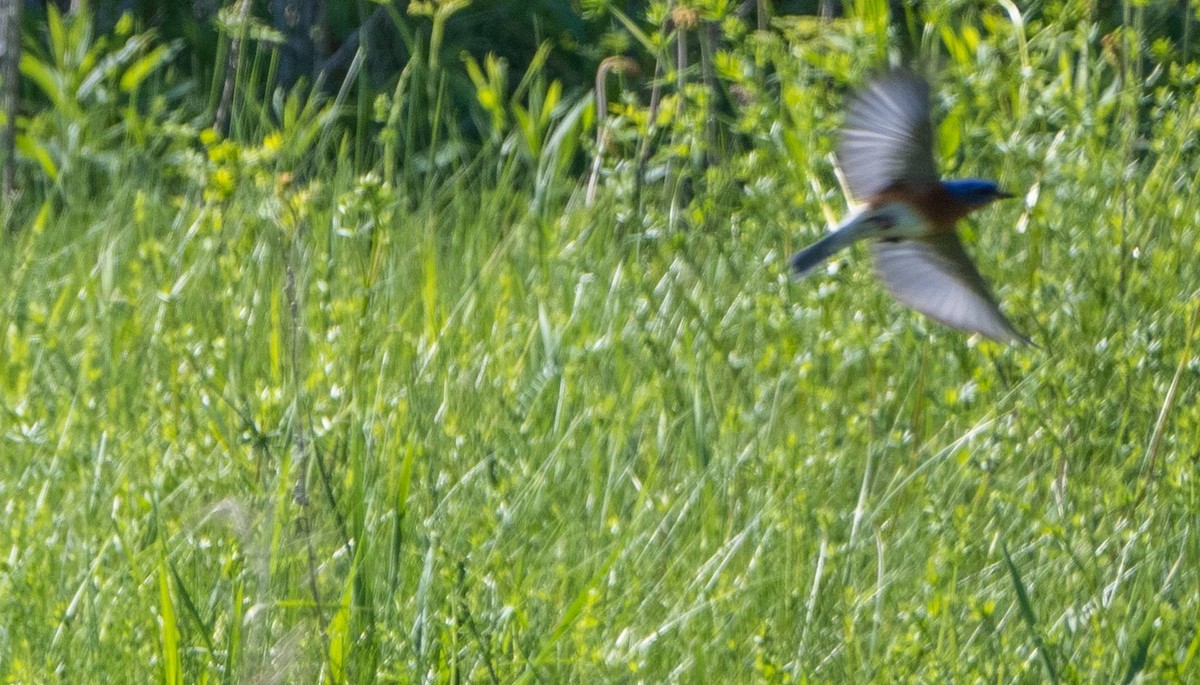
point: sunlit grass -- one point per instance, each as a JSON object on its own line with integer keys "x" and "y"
{"x": 548, "y": 442}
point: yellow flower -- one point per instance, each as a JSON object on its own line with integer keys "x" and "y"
{"x": 272, "y": 142}
{"x": 223, "y": 152}
{"x": 221, "y": 183}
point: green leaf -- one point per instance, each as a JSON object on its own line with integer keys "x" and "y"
{"x": 553, "y": 94}
{"x": 172, "y": 673}
{"x": 635, "y": 31}
{"x": 32, "y": 149}
{"x": 340, "y": 639}
{"x": 107, "y": 66}
{"x": 141, "y": 69}
{"x": 1141, "y": 647}
{"x": 1027, "y": 613}
{"x": 58, "y": 40}
{"x": 45, "y": 78}
{"x": 949, "y": 135}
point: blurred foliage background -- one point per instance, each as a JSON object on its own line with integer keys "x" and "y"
{"x": 464, "y": 60}
{"x": 453, "y": 340}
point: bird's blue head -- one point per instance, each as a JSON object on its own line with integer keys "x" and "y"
{"x": 974, "y": 192}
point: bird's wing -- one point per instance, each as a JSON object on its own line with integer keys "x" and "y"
{"x": 888, "y": 138}
{"x": 935, "y": 276}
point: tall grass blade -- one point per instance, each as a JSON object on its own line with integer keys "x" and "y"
{"x": 1028, "y": 615}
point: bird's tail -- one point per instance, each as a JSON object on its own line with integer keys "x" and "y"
{"x": 804, "y": 261}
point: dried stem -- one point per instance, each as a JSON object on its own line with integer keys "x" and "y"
{"x": 618, "y": 65}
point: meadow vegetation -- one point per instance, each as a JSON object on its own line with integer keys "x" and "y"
{"x": 374, "y": 387}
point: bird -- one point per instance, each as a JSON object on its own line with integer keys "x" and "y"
{"x": 907, "y": 212}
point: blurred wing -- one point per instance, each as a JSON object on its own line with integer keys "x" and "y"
{"x": 936, "y": 277}
{"x": 887, "y": 137}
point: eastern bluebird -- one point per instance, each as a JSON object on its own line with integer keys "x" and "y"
{"x": 908, "y": 213}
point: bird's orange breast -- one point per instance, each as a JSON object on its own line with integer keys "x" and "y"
{"x": 934, "y": 203}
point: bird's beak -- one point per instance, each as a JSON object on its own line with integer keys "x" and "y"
{"x": 1004, "y": 195}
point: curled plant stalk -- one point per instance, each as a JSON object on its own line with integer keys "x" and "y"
{"x": 618, "y": 65}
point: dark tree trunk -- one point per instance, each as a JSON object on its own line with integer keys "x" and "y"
{"x": 302, "y": 23}
{"x": 10, "y": 57}
{"x": 386, "y": 56}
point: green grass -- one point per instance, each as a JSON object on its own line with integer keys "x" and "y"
{"x": 545, "y": 442}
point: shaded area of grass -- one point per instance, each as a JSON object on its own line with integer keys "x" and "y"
{"x": 543, "y": 441}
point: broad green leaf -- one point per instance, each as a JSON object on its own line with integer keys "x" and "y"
{"x": 32, "y": 149}
{"x": 141, "y": 69}
{"x": 45, "y": 78}
{"x": 169, "y": 627}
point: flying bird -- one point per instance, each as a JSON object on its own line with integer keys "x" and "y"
{"x": 908, "y": 213}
